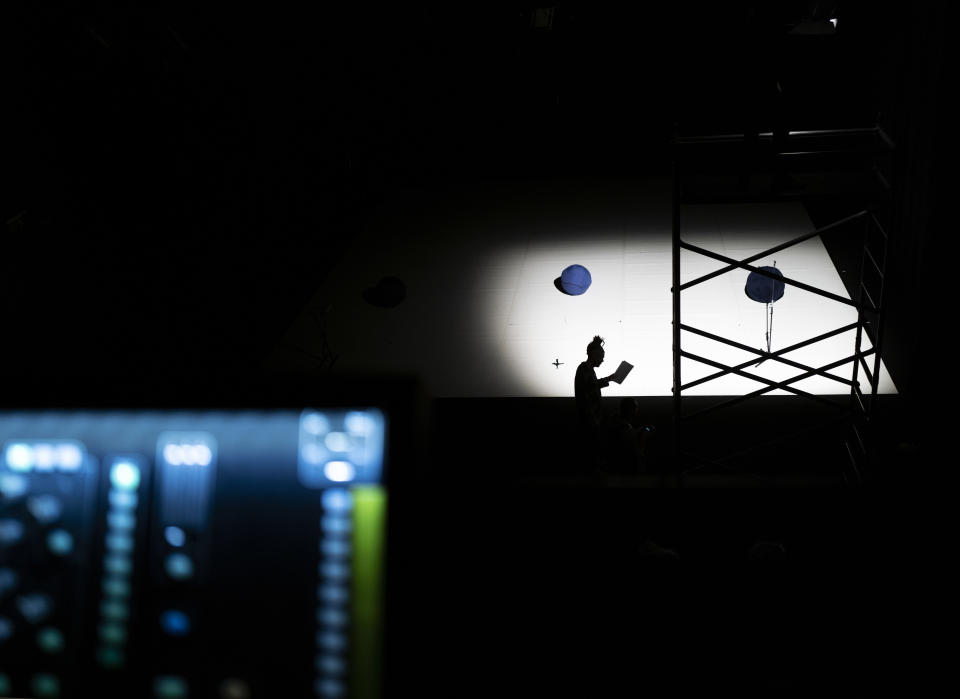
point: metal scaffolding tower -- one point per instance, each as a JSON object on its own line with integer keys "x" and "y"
{"x": 802, "y": 165}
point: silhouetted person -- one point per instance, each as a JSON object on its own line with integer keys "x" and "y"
{"x": 589, "y": 409}
{"x": 627, "y": 439}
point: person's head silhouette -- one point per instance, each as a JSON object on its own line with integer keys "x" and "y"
{"x": 595, "y": 351}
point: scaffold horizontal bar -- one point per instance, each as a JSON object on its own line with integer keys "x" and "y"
{"x": 784, "y": 280}
{"x": 770, "y": 251}
{"x": 783, "y": 384}
{"x": 759, "y": 353}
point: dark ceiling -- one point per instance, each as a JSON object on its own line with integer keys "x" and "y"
{"x": 184, "y": 179}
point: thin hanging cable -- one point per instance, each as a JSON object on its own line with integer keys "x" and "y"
{"x": 768, "y": 316}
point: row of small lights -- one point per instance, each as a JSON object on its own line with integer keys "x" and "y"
{"x": 23, "y": 457}
{"x": 69, "y": 457}
{"x": 179, "y": 566}
{"x": 332, "y": 594}
{"x": 65, "y": 456}
{"x": 118, "y": 563}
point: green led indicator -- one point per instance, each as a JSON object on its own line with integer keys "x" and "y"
{"x": 369, "y": 526}
{"x": 50, "y": 640}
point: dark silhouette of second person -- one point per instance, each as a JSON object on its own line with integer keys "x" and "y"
{"x": 627, "y": 439}
{"x": 589, "y": 409}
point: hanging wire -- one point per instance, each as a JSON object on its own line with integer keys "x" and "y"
{"x": 768, "y": 316}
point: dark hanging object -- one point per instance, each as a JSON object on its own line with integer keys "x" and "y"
{"x": 389, "y": 292}
{"x": 763, "y": 289}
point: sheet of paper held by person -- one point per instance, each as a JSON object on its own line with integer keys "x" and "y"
{"x": 621, "y": 373}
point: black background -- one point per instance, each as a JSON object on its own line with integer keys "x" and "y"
{"x": 185, "y": 178}
{"x": 180, "y": 182}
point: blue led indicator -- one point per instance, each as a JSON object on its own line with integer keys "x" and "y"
{"x": 359, "y": 424}
{"x": 331, "y": 664}
{"x": 339, "y": 548}
{"x": 12, "y": 485}
{"x": 175, "y": 536}
{"x": 34, "y": 607}
{"x": 178, "y": 566}
{"x": 315, "y": 424}
{"x": 337, "y": 499}
{"x": 331, "y": 641}
{"x": 332, "y": 594}
{"x": 175, "y": 623}
{"x": 327, "y": 687}
{"x": 8, "y": 580}
{"x": 119, "y": 542}
{"x": 60, "y": 542}
{"x": 337, "y": 441}
{"x": 121, "y": 520}
{"x": 334, "y": 571}
{"x": 336, "y": 525}
{"x": 330, "y": 616}
{"x": 45, "y": 508}
{"x": 123, "y": 499}
{"x": 11, "y": 530}
{"x": 118, "y": 563}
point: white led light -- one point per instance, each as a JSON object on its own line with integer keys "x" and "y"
{"x": 173, "y": 454}
{"x": 20, "y": 457}
{"x": 339, "y": 471}
{"x": 44, "y": 457}
{"x": 69, "y": 457}
{"x": 202, "y": 454}
{"x": 337, "y": 441}
{"x": 315, "y": 424}
{"x": 833, "y": 21}
{"x": 358, "y": 423}
{"x": 125, "y": 476}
